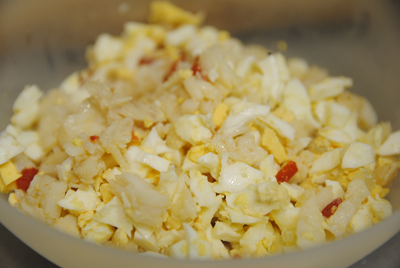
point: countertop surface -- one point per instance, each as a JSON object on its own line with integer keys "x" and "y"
{"x": 14, "y": 254}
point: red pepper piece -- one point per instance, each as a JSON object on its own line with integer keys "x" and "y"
{"x": 94, "y": 138}
{"x": 144, "y": 61}
{"x": 27, "y": 176}
{"x": 174, "y": 66}
{"x": 171, "y": 70}
{"x": 331, "y": 208}
{"x": 287, "y": 172}
{"x": 196, "y": 68}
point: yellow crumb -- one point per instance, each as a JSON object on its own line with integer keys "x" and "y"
{"x": 9, "y": 173}
{"x": 220, "y": 114}
{"x": 77, "y": 142}
{"x": 364, "y": 174}
{"x": 148, "y": 123}
{"x": 166, "y": 13}
{"x": 172, "y": 52}
{"x": 284, "y": 114}
{"x": 121, "y": 73}
{"x": 185, "y": 73}
{"x": 196, "y": 151}
{"x": 7, "y": 188}
{"x": 106, "y": 192}
{"x": 270, "y": 141}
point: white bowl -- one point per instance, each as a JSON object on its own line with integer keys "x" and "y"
{"x": 42, "y": 42}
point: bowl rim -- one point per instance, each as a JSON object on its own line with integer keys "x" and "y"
{"x": 155, "y": 260}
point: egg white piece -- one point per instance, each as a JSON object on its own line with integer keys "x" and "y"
{"x": 113, "y": 214}
{"x": 9, "y": 148}
{"x": 326, "y": 161}
{"x": 391, "y": 146}
{"x": 297, "y": 100}
{"x": 356, "y": 155}
{"x": 80, "y": 200}
{"x": 237, "y": 176}
{"x": 241, "y": 113}
{"x": 192, "y": 128}
{"x": 283, "y": 128}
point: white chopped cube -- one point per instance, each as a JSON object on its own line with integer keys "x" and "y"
{"x": 27, "y": 117}
{"x": 201, "y": 189}
{"x": 329, "y": 87}
{"x": 191, "y": 128}
{"x": 180, "y": 35}
{"x": 28, "y": 96}
{"x": 13, "y": 130}
{"x": 391, "y": 146}
{"x": 327, "y": 161}
{"x": 197, "y": 248}
{"x": 357, "y": 154}
{"x": 35, "y": 152}
{"x": 80, "y": 200}
{"x": 283, "y": 128}
{"x": 9, "y": 148}
{"x": 337, "y": 189}
{"x": 237, "y": 176}
{"x": 113, "y": 214}
{"x": 241, "y": 113}
{"x": 107, "y": 47}
{"x": 296, "y": 100}
{"x": 97, "y": 232}
{"x": 26, "y": 138}
{"x": 335, "y": 135}
{"x": 154, "y": 144}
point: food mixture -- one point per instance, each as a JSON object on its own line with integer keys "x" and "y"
{"x": 180, "y": 140}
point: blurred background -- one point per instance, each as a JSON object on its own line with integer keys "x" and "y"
{"x": 43, "y": 41}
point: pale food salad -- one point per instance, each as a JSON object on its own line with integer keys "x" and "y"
{"x": 180, "y": 140}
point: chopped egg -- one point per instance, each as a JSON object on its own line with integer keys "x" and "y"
{"x": 335, "y": 135}
{"x": 326, "y": 161}
{"x": 329, "y": 87}
{"x": 107, "y": 48}
{"x": 310, "y": 229}
{"x": 357, "y": 154}
{"x": 237, "y": 176}
{"x": 97, "y": 232}
{"x": 113, "y": 214}
{"x": 271, "y": 142}
{"x": 391, "y": 146}
{"x": 257, "y": 199}
{"x": 191, "y": 128}
{"x": 296, "y": 100}
{"x": 134, "y": 154}
{"x": 220, "y": 114}
{"x": 283, "y": 128}
{"x": 9, "y": 173}
{"x": 80, "y": 200}
{"x": 241, "y": 113}
{"x": 201, "y": 189}
{"x": 28, "y": 96}
{"x": 165, "y": 12}
{"x": 9, "y": 148}
{"x": 154, "y": 144}
{"x": 227, "y": 232}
